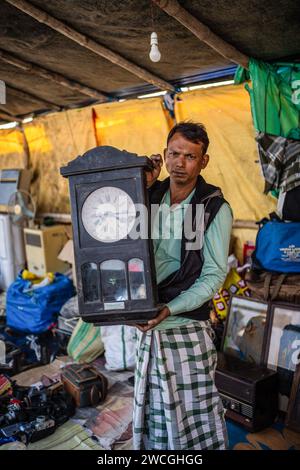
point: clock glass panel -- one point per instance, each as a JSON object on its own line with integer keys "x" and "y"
{"x": 108, "y": 214}
{"x": 113, "y": 279}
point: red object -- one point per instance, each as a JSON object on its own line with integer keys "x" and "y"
{"x": 249, "y": 247}
{"x": 14, "y": 401}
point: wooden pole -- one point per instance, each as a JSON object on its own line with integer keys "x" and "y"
{"x": 90, "y": 44}
{"x": 52, "y": 76}
{"x": 9, "y": 117}
{"x": 61, "y": 218}
{"x": 26, "y": 158}
{"x": 202, "y": 32}
{"x": 29, "y": 96}
{"x": 246, "y": 224}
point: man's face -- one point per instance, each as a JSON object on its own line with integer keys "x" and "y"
{"x": 184, "y": 160}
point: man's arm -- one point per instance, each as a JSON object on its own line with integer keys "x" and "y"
{"x": 215, "y": 252}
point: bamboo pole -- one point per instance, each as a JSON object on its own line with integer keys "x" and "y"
{"x": 202, "y": 32}
{"x": 246, "y": 224}
{"x": 61, "y": 218}
{"x": 9, "y": 117}
{"x": 29, "y": 96}
{"x": 52, "y": 76}
{"x": 90, "y": 44}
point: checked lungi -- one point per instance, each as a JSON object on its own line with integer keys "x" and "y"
{"x": 176, "y": 404}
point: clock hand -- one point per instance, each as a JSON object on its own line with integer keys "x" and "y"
{"x": 99, "y": 221}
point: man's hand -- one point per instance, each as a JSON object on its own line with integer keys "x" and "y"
{"x": 152, "y": 175}
{"x": 162, "y": 315}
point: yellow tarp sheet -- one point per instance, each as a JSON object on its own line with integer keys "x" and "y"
{"x": 141, "y": 126}
{"x": 53, "y": 140}
{"x": 225, "y": 111}
{"x": 11, "y": 149}
{"x": 138, "y": 126}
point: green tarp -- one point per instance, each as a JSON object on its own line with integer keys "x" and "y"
{"x": 275, "y": 96}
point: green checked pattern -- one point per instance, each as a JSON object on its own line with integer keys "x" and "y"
{"x": 177, "y": 405}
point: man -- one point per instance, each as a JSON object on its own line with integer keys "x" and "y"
{"x": 177, "y": 405}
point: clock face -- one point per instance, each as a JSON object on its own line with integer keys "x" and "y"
{"x": 108, "y": 214}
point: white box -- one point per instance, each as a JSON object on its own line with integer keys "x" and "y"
{"x": 42, "y": 248}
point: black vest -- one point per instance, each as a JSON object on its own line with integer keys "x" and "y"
{"x": 191, "y": 260}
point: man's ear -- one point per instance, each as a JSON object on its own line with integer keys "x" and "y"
{"x": 204, "y": 161}
{"x": 165, "y": 154}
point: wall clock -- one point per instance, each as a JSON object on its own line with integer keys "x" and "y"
{"x": 115, "y": 270}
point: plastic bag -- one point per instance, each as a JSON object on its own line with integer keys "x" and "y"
{"x": 85, "y": 344}
{"x": 36, "y": 310}
{"x": 120, "y": 346}
{"x": 233, "y": 285}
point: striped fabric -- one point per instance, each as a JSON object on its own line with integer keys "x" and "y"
{"x": 85, "y": 344}
{"x": 280, "y": 161}
{"x": 177, "y": 405}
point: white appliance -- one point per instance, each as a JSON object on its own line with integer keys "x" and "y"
{"x": 42, "y": 247}
{"x": 12, "y": 250}
{"x": 12, "y": 253}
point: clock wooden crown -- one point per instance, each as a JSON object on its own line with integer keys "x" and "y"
{"x": 104, "y": 158}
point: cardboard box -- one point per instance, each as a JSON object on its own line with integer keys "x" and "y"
{"x": 67, "y": 255}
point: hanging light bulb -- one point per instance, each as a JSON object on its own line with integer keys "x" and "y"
{"x": 154, "y": 52}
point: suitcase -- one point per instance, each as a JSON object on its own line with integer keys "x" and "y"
{"x": 87, "y": 386}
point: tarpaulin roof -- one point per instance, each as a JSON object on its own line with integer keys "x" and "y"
{"x": 264, "y": 29}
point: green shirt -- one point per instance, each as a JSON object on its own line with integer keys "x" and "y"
{"x": 167, "y": 251}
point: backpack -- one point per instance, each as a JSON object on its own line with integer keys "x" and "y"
{"x": 277, "y": 247}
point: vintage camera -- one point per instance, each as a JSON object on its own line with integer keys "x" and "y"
{"x": 11, "y": 411}
{"x": 32, "y": 431}
{"x": 33, "y": 413}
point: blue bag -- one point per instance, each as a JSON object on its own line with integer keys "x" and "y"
{"x": 277, "y": 247}
{"x": 35, "y": 311}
